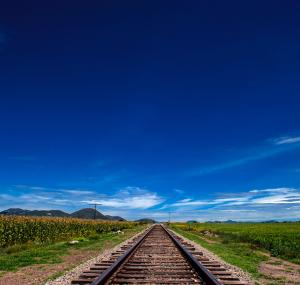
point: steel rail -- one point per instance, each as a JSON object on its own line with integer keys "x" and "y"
{"x": 106, "y": 274}
{"x": 207, "y": 277}
{"x": 204, "y": 274}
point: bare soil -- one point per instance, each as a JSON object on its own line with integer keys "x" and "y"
{"x": 61, "y": 273}
{"x": 278, "y": 271}
{"x": 38, "y": 274}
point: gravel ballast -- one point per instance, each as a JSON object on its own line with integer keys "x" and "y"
{"x": 68, "y": 276}
{"x": 238, "y": 272}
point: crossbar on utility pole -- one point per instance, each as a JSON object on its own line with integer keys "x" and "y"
{"x": 95, "y": 208}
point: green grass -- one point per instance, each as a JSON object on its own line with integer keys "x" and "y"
{"x": 239, "y": 254}
{"x": 15, "y": 257}
{"x": 279, "y": 239}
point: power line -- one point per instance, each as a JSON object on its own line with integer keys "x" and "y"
{"x": 95, "y": 207}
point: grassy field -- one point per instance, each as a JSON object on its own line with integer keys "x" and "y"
{"x": 17, "y": 256}
{"x": 27, "y": 241}
{"x": 246, "y": 245}
{"x": 280, "y": 239}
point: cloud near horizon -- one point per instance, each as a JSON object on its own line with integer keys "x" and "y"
{"x": 129, "y": 198}
{"x": 37, "y": 197}
{"x": 283, "y": 195}
{"x": 136, "y": 202}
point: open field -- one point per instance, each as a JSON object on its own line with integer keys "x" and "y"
{"x": 280, "y": 239}
{"x": 269, "y": 252}
{"x": 20, "y": 230}
{"x": 26, "y": 240}
{"x": 46, "y": 259}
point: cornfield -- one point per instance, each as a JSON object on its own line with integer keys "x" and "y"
{"x": 280, "y": 239}
{"x": 18, "y": 230}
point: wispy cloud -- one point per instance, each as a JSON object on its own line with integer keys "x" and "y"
{"x": 253, "y": 205}
{"x": 32, "y": 197}
{"x": 32, "y": 201}
{"x": 237, "y": 211}
{"x": 281, "y": 195}
{"x": 77, "y": 192}
{"x": 130, "y": 198}
{"x": 243, "y": 215}
{"x": 278, "y": 146}
{"x": 277, "y": 196}
{"x": 30, "y": 187}
{"x": 233, "y": 163}
{"x": 286, "y": 140}
{"x": 178, "y": 191}
{"x": 218, "y": 201}
{"x": 135, "y": 202}
{"x": 190, "y": 202}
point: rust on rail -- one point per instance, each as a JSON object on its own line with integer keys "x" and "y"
{"x": 157, "y": 256}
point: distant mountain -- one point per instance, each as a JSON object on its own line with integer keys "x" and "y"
{"x": 86, "y": 213}
{"x": 34, "y": 213}
{"x": 222, "y": 222}
{"x": 146, "y": 220}
{"x": 15, "y": 211}
{"x": 50, "y": 213}
{"x": 192, "y": 222}
{"x": 114, "y": 218}
{"x": 89, "y": 213}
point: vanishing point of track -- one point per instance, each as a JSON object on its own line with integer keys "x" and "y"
{"x": 157, "y": 256}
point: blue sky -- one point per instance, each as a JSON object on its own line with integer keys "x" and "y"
{"x": 151, "y": 107}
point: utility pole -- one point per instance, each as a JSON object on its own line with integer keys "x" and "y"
{"x": 95, "y": 207}
{"x": 170, "y": 217}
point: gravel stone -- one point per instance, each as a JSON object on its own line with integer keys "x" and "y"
{"x": 238, "y": 272}
{"x": 68, "y": 276}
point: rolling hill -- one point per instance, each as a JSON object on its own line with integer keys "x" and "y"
{"x": 86, "y": 213}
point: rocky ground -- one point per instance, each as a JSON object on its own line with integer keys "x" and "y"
{"x": 67, "y": 277}
{"x": 237, "y": 271}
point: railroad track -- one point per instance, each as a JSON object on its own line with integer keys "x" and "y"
{"x": 157, "y": 256}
